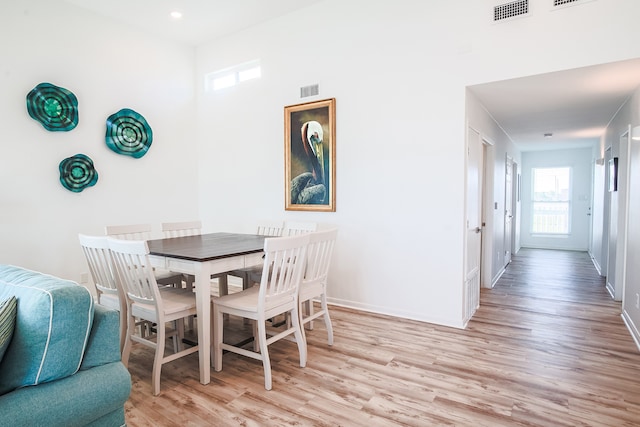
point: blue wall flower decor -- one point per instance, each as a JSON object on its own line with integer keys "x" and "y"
{"x": 128, "y": 133}
{"x": 54, "y": 107}
{"x": 77, "y": 173}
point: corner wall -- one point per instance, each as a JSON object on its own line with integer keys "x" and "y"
{"x": 108, "y": 67}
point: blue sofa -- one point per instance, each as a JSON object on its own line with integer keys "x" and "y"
{"x": 62, "y": 365}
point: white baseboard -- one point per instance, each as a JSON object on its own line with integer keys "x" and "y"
{"x": 609, "y": 287}
{"x": 498, "y": 276}
{"x": 458, "y": 324}
{"x": 595, "y": 264}
{"x": 631, "y": 327}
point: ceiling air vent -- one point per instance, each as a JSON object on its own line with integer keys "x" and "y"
{"x": 309, "y": 91}
{"x": 510, "y": 10}
{"x": 562, "y": 3}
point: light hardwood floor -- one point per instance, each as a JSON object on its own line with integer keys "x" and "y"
{"x": 547, "y": 347}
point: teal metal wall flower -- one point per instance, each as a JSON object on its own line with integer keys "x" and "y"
{"x": 128, "y": 133}
{"x": 56, "y": 108}
{"x": 77, "y": 173}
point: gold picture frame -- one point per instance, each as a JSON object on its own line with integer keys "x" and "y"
{"x": 310, "y": 156}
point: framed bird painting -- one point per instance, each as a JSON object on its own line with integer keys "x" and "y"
{"x": 310, "y": 156}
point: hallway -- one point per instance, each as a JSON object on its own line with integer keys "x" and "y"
{"x": 550, "y": 310}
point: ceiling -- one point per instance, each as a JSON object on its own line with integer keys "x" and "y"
{"x": 202, "y": 20}
{"x": 574, "y": 105}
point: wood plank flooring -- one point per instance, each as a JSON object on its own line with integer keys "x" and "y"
{"x": 547, "y": 347}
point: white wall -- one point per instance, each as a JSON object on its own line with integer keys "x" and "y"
{"x": 580, "y": 161}
{"x": 391, "y": 159}
{"x": 398, "y": 71}
{"x": 631, "y": 264}
{"x": 108, "y": 67}
{"x": 598, "y": 231}
{"x": 616, "y": 140}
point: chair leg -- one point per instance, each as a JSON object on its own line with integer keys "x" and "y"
{"x": 308, "y": 310}
{"x": 124, "y": 328}
{"x": 301, "y": 340}
{"x": 245, "y": 281}
{"x": 179, "y": 337}
{"x": 189, "y": 280}
{"x": 174, "y": 337}
{"x": 223, "y": 285}
{"x": 157, "y": 360}
{"x": 218, "y": 336}
{"x": 256, "y": 332}
{"x": 126, "y": 351}
{"x": 327, "y": 319}
{"x": 264, "y": 352}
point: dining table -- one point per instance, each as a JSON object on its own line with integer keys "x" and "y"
{"x": 202, "y": 256}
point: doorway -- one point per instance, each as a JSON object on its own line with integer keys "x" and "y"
{"x": 508, "y": 210}
{"x": 474, "y": 222}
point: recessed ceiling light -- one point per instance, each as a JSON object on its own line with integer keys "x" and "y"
{"x": 176, "y": 15}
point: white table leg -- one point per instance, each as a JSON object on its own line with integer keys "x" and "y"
{"x": 203, "y": 307}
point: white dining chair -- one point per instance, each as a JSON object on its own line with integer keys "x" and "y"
{"x": 284, "y": 263}
{"x": 143, "y": 232}
{"x": 182, "y": 228}
{"x": 147, "y": 301}
{"x": 193, "y": 228}
{"x": 293, "y": 228}
{"x": 108, "y": 290}
{"x": 314, "y": 284}
{"x": 129, "y": 231}
{"x": 265, "y": 228}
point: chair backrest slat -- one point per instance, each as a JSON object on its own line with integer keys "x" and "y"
{"x": 292, "y": 228}
{"x": 181, "y": 229}
{"x": 131, "y": 258}
{"x": 98, "y": 256}
{"x": 270, "y": 228}
{"x": 285, "y": 260}
{"x": 319, "y": 254}
{"x": 129, "y": 232}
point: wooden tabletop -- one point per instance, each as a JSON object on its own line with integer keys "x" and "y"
{"x": 207, "y": 247}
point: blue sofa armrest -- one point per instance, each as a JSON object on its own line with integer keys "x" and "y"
{"x": 53, "y": 324}
{"x": 92, "y": 397}
{"x": 104, "y": 339}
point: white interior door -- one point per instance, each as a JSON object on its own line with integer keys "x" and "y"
{"x": 612, "y": 234}
{"x": 475, "y": 167}
{"x": 508, "y": 210}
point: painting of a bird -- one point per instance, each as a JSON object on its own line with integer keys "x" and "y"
{"x": 310, "y": 136}
{"x": 309, "y": 187}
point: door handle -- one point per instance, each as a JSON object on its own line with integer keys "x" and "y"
{"x": 478, "y": 229}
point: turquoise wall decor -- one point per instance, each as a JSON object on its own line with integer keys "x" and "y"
{"x": 77, "y": 173}
{"x": 128, "y": 133}
{"x": 56, "y": 108}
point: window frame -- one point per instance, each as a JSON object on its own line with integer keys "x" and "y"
{"x": 568, "y": 202}
{"x": 232, "y": 76}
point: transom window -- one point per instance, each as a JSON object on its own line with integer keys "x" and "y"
{"x": 551, "y": 200}
{"x": 233, "y": 75}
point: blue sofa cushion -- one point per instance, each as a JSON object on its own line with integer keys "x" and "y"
{"x": 53, "y": 323}
{"x": 8, "y": 309}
